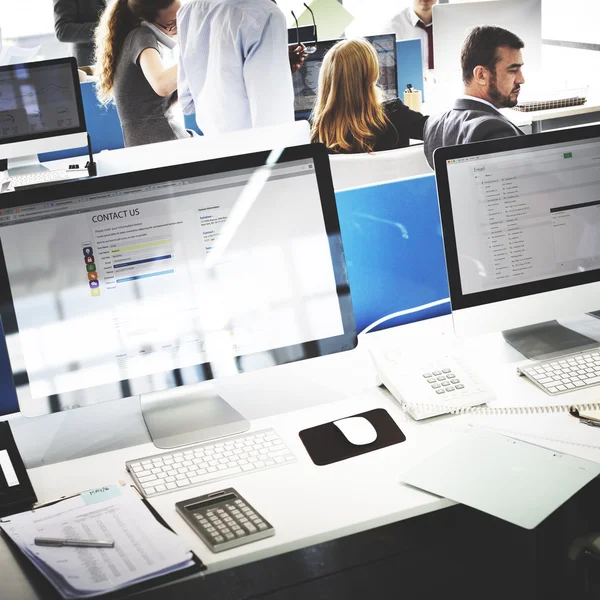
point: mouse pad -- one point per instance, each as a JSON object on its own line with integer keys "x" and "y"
{"x": 326, "y": 444}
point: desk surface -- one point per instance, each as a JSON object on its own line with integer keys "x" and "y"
{"x": 305, "y": 503}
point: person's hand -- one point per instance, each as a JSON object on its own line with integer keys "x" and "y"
{"x": 297, "y": 55}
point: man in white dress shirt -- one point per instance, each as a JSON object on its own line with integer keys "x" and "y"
{"x": 416, "y": 22}
{"x": 234, "y": 67}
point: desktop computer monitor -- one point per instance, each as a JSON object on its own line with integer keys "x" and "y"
{"x": 306, "y": 79}
{"x": 141, "y": 283}
{"x": 521, "y": 226}
{"x": 41, "y": 110}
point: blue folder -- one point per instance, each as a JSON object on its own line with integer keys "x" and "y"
{"x": 409, "y": 66}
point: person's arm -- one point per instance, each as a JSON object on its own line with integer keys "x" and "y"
{"x": 268, "y": 77}
{"x": 162, "y": 80}
{"x": 66, "y": 26}
{"x": 408, "y": 120}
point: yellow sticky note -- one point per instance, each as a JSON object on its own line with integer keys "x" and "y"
{"x": 330, "y": 16}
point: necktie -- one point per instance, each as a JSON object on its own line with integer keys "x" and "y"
{"x": 429, "y": 32}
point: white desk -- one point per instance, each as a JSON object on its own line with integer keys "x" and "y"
{"x": 353, "y": 495}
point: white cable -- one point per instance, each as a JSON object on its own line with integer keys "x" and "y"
{"x": 401, "y": 313}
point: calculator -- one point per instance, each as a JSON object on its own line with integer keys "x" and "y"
{"x": 224, "y": 520}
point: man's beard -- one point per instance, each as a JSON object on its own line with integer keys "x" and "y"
{"x": 500, "y": 100}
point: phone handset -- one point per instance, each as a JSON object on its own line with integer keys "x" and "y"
{"x": 161, "y": 36}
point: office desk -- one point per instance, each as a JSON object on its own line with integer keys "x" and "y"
{"x": 558, "y": 118}
{"x": 312, "y": 507}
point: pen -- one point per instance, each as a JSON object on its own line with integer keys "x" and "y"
{"x": 585, "y": 419}
{"x": 58, "y": 542}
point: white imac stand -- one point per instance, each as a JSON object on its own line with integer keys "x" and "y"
{"x": 22, "y": 156}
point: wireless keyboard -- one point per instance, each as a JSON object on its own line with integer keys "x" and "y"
{"x": 209, "y": 461}
{"x": 561, "y": 375}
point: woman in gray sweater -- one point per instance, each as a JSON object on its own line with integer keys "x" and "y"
{"x": 131, "y": 71}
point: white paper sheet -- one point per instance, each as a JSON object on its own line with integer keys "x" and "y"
{"x": 143, "y": 547}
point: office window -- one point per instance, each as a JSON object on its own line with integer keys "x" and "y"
{"x": 30, "y": 24}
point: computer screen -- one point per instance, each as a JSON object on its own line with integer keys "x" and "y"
{"x": 521, "y": 225}
{"x": 40, "y": 107}
{"x": 39, "y": 99}
{"x": 130, "y": 284}
{"x": 306, "y": 79}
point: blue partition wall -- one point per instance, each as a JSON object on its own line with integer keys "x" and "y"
{"x": 409, "y": 65}
{"x": 392, "y": 240}
{"x": 102, "y": 123}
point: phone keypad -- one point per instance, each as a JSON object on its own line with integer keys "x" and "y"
{"x": 443, "y": 381}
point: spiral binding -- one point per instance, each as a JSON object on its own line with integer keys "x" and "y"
{"x": 505, "y": 410}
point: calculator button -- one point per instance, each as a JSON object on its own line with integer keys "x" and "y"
{"x": 459, "y": 386}
{"x": 440, "y": 391}
{"x": 219, "y": 538}
{"x": 435, "y": 386}
{"x": 239, "y": 532}
{"x": 229, "y": 536}
{"x": 437, "y": 373}
{"x": 261, "y": 526}
{"x": 446, "y": 370}
{"x": 250, "y": 527}
{"x": 455, "y": 381}
{"x": 431, "y": 380}
{"x": 426, "y": 375}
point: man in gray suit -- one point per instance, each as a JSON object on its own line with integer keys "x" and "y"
{"x": 491, "y": 64}
{"x": 75, "y": 22}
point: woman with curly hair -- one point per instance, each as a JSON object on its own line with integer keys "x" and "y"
{"x": 349, "y": 115}
{"x": 131, "y": 71}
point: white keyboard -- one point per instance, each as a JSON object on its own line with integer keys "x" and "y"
{"x": 209, "y": 461}
{"x": 561, "y": 375}
{"x": 36, "y": 178}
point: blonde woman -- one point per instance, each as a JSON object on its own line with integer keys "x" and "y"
{"x": 349, "y": 116}
{"x": 129, "y": 44}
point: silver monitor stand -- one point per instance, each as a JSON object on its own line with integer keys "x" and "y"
{"x": 25, "y": 165}
{"x": 547, "y": 340}
{"x": 189, "y": 414}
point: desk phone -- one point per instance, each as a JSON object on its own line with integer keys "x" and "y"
{"x": 224, "y": 520}
{"x": 429, "y": 386}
